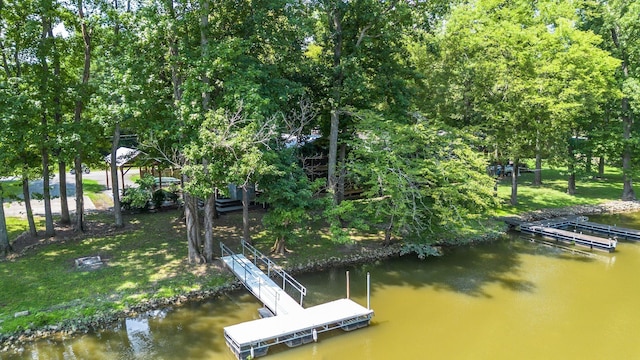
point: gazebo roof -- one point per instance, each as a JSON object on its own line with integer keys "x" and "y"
{"x": 123, "y": 156}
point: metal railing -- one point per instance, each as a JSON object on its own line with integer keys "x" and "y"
{"x": 249, "y": 275}
{"x": 275, "y": 268}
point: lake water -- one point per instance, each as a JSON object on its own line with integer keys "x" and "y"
{"x": 506, "y": 300}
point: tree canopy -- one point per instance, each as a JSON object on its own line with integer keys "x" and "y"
{"x": 411, "y": 101}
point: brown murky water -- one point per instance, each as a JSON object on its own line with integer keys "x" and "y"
{"x": 507, "y": 300}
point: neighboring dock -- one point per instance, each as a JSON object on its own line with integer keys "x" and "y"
{"x": 558, "y": 229}
{"x": 285, "y": 320}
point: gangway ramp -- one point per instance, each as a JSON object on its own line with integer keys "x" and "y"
{"x": 260, "y": 284}
{"x": 292, "y": 324}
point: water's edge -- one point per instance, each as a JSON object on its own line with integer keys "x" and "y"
{"x": 103, "y": 320}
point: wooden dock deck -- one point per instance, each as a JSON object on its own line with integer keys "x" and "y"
{"x": 292, "y": 324}
{"x": 590, "y": 241}
{"x": 619, "y": 232}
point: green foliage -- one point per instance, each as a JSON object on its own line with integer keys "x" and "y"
{"x": 421, "y": 250}
{"x": 293, "y": 199}
{"x": 416, "y": 178}
{"x": 139, "y": 198}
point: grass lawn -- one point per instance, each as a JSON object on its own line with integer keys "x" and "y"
{"x": 553, "y": 192}
{"x": 145, "y": 261}
{"x": 148, "y": 259}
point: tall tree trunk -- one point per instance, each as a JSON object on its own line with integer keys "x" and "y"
{"x": 343, "y": 172}
{"x": 65, "y": 218}
{"x": 44, "y": 150}
{"x": 335, "y": 18}
{"x": 5, "y": 246}
{"x": 79, "y": 225}
{"x": 537, "y": 174}
{"x": 571, "y": 169}
{"x": 48, "y": 215}
{"x": 26, "y": 193}
{"x": 571, "y": 182}
{"x": 190, "y": 202}
{"x": 601, "y": 167}
{"x": 279, "y": 247}
{"x": 209, "y": 209}
{"x": 245, "y": 214}
{"x": 86, "y": 37}
{"x": 115, "y": 187}
{"x": 627, "y": 123}
{"x": 514, "y": 182}
{"x": 193, "y": 229}
{"x": 628, "y": 193}
{"x": 387, "y": 233}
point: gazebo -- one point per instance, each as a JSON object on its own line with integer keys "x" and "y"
{"x": 124, "y": 156}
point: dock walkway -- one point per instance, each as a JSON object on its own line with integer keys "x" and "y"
{"x": 557, "y": 229}
{"x": 590, "y": 241}
{"x": 292, "y": 324}
{"x": 619, "y": 232}
{"x": 260, "y": 284}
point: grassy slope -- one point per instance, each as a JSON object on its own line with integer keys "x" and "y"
{"x": 145, "y": 261}
{"x": 553, "y": 192}
{"x": 148, "y": 260}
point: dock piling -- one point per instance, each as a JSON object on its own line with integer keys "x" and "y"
{"x": 348, "y": 286}
{"x": 368, "y": 291}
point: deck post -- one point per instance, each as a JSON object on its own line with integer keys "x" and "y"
{"x": 348, "y": 295}
{"x": 368, "y": 291}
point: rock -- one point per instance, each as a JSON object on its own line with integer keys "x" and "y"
{"x": 21, "y": 313}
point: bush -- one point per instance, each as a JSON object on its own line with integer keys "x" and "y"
{"x": 138, "y": 198}
{"x": 135, "y": 199}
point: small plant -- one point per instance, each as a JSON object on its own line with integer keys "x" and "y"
{"x": 139, "y": 198}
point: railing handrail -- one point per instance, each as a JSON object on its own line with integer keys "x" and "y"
{"x": 236, "y": 260}
{"x": 275, "y": 267}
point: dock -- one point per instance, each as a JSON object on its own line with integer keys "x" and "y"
{"x": 618, "y": 232}
{"x": 590, "y": 241}
{"x": 286, "y": 321}
{"x": 274, "y": 297}
{"x": 557, "y": 229}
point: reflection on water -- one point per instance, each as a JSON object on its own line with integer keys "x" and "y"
{"x": 506, "y": 300}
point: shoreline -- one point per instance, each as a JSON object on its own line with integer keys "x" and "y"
{"x": 101, "y": 320}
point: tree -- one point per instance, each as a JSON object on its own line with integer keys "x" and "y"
{"x": 86, "y": 72}
{"x": 418, "y": 179}
{"x": 621, "y": 21}
{"x": 5, "y": 246}
{"x": 529, "y": 76}
{"x": 292, "y": 197}
{"x": 361, "y": 45}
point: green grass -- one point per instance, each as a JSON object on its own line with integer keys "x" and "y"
{"x": 145, "y": 262}
{"x": 553, "y": 192}
{"x": 148, "y": 260}
{"x": 16, "y": 226}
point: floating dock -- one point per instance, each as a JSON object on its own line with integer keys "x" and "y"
{"x": 569, "y": 230}
{"x": 286, "y": 321}
{"x": 590, "y": 241}
{"x": 618, "y": 232}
